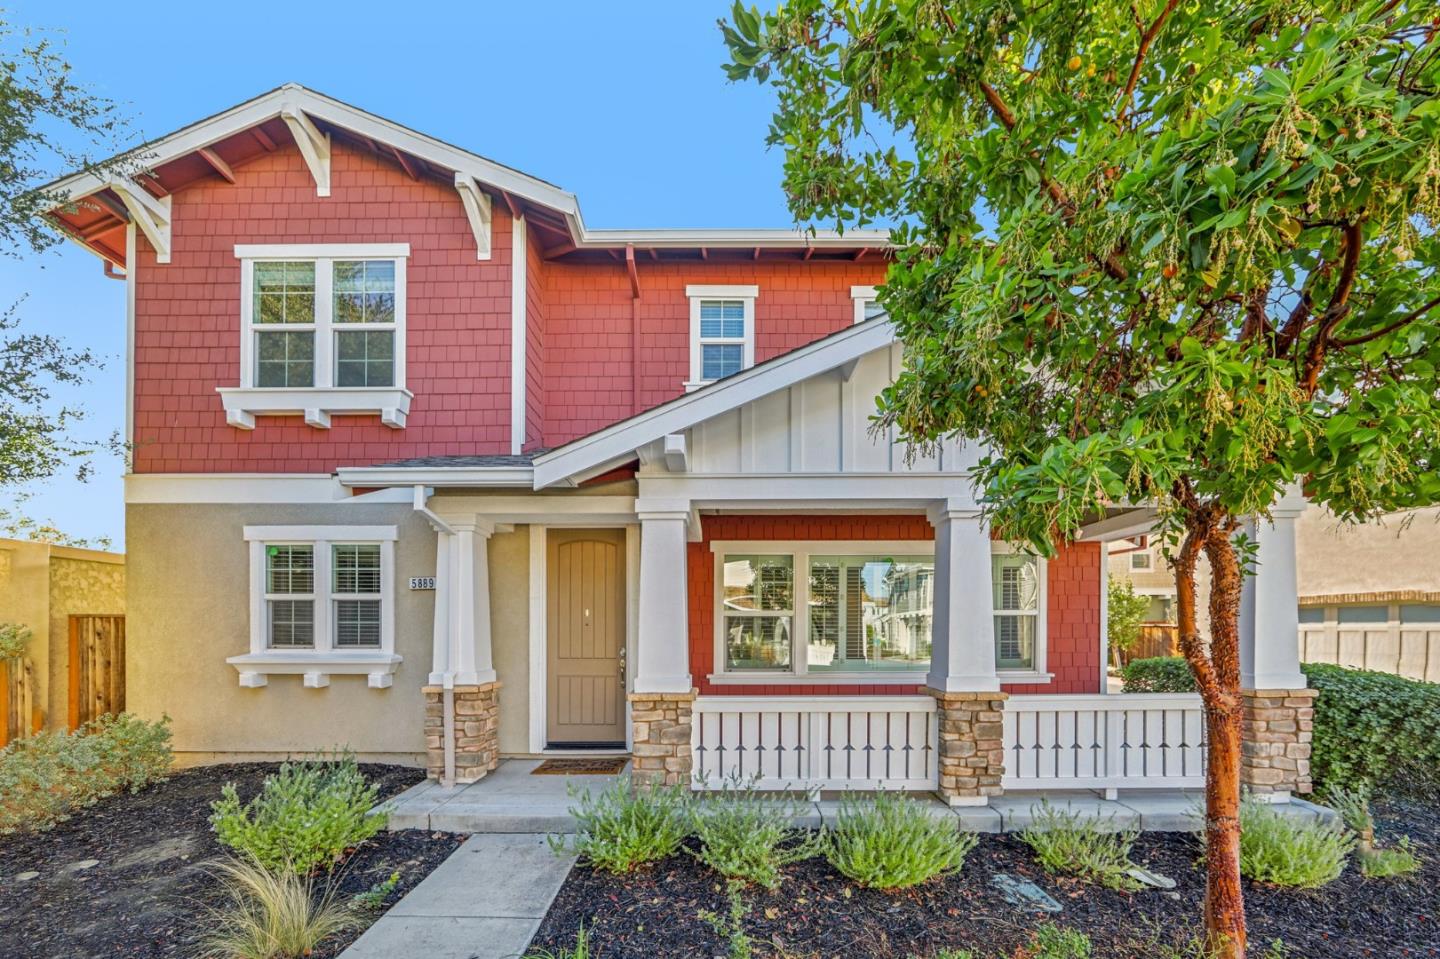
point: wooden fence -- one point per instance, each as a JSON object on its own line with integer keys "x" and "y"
{"x": 1156, "y": 639}
{"x": 97, "y": 667}
{"x": 19, "y": 713}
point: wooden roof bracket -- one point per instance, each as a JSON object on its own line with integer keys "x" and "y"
{"x": 314, "y": 146}
{"x": 477, "y": 211}
{"x": 150, "y": 214}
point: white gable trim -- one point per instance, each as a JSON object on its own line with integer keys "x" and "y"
{"x": 619, "y": 442}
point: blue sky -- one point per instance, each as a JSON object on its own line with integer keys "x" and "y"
{"x": 623, "y": 104}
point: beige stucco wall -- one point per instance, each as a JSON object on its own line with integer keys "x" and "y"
{"x": 40, "y": 587}
{"x": 189, "y": 610}
{"x": 1397, "y": 552}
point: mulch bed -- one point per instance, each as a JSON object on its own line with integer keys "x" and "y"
{"x": 148, "y": 895}
{"x": 818, "y": 914}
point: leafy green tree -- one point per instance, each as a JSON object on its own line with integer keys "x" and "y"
{"x": 47, "y": 123}
{"x": 1171, "y": 252}
{"x": 1124, "y": 614}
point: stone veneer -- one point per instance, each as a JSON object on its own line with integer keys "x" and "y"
{"x": 477, "y": 731}
{"x": 1277, "y": 725}
{"x": 661, "y": 738}
{"x": 972, "y": 752}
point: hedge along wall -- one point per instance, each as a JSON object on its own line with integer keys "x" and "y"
{"x": 1370, "y": 728}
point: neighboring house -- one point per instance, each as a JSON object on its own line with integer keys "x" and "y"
{"x": 41, "y": 588}
{"x": 425, "y": 466}
{"x": 1368, "y": 593}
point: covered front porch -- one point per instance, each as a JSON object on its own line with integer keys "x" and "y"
{"x": 764, "y": 587}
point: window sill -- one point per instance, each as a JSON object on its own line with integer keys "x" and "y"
{"x": 817, "y": 679}
{"x": 1024, "y": 677}
{"x": 316, "y": 404}
{"x": 316, "y": 667}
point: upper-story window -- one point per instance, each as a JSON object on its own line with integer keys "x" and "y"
{"x": 323, "y": 331}
{"x": 722, "y": 332}
{"x": 867, "y": 307}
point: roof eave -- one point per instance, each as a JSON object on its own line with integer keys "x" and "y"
{"x": 438, "y": 477}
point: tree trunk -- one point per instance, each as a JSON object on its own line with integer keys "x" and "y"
{"x": 1217, "y": 676}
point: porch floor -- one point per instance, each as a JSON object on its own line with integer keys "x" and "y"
{"x": 511, "y": 800}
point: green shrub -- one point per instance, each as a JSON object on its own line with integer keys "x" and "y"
{"x": 271, "y": 914}
{"x": 305, "y": 816}
{"x": 1075, "y": 845}
{"x": 1374, "y": 729}
{"x": 1159, "y": 674}
{"x": 750, "y": 837}
{"x": 1053, "y": 942}
{"x": 731, "y": 926}
{"x": 581, "y": 950}
{"x": 622, "y": 828}
{"x": 46, "y": 777}
{"x": 890, "y": 842}
{"x": 13, "y": 639}
{"x": 1290, "y": 850}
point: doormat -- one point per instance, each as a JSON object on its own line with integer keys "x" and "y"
{"x": 599, "y": 766}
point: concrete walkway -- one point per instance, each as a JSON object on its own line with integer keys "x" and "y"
{"x": 484, "y": 902}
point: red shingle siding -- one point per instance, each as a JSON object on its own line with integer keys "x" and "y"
{"x": 187, "y": 318}
{"x": 591, "y": 379}
{"x": 1072, "y": 613}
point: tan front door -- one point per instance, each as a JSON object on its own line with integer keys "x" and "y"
{"x": 585, "y": 696}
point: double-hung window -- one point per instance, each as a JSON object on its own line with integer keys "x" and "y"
{"x": 322, "y": 601}
{"x": 867, "y": 307}
{"x": 869, "y": 612}
{"x": 323, "y": 331}
{"x": 722, "y": 332}
{"x": 1016, "y": 581}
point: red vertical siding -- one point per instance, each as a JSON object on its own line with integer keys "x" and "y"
{"x": 1072, "y": 611}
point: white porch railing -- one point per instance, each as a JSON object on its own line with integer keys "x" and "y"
{"x": 816, "y": 742}
{"x": 1121, "y": 741}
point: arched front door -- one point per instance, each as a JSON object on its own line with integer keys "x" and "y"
{"x": 585, "y": 596}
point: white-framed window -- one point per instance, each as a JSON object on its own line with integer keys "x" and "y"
{"x": 1018, "y": 581}
{"x": 1142, "y": 559}
{"x": 722, "y": 332}
{"x": 857, "y": 610}
{"x": 867, "y": 307}
{"x": 322, "y": 331}
{"x": 322, "y": 601}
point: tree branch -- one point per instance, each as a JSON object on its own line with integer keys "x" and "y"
{"x": 1146, "y": 38}
{"x": 1410, "y": 317}
{"x": 1338, "y": 309}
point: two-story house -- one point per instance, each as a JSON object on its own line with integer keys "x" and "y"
{"x": 425, "y": 466}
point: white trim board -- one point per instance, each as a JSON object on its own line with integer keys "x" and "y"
{"x": 297, "y": 488}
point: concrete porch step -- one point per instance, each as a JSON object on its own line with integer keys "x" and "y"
{"x": 512, "y": 800}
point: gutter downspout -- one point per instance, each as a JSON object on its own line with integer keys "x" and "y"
{"x": 447, "y": 679}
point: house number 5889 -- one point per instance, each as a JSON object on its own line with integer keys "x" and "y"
{"x": 422, "y": 582}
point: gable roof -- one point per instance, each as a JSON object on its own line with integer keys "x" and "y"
{"x": 209, "y": 146}
{"x": 616, "y": 444}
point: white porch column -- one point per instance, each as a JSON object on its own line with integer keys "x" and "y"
{"x": 471, "y": 658}
{"x": 1269, "y": 610}
{"x": 962, "y": 658}
{"x": 662, "y": 654}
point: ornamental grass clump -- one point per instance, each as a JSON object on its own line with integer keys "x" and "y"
{"x": 1070, "y": 844}
{"x": 890, "y": 842}
{"x": 305, "y": 816}
{"x": 1302, "y": 853}
{"x": 748, "y": 836}
{"x": 623, "y": 828}
{"x": 1375, "y": 862}
{"x": 271, "y": 913}
{"x": 46, "y": 777}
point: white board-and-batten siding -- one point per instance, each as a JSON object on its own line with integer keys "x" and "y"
{"x": 820, "y": 425}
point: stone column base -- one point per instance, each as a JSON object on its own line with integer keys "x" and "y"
{"x": 1276, "y": 728}
{"x": 477, "y": 731}
{"x": 661, "y": 738}
{"x": 972, "y": 751}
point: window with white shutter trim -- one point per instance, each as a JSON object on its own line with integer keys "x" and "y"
{"x": 322, "y": 602}
{"x": 722, "y": 332}
{"x": 1016, "y": 580}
